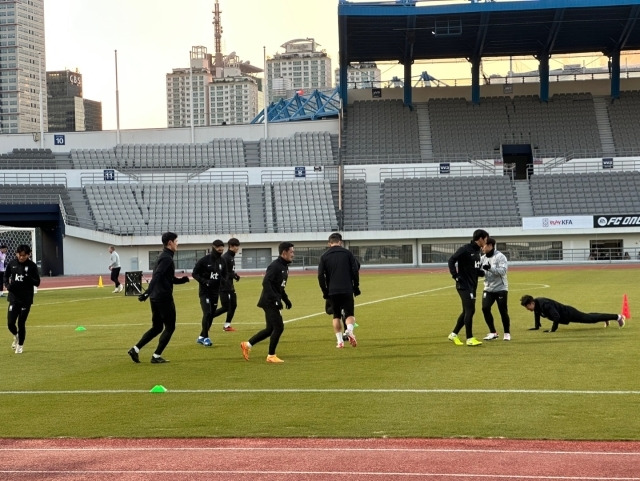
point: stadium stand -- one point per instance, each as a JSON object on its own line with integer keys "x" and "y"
{"x": 435, "y": 203}
{"x": 191, "y": 157}
{"x": 461, "y": 129}
{"x": 304, "y": 148}
{"x": 36, "y": 194}
{"x": 28, "y": 159}
{"x": 624, "y": 115}
{"x": 145, "y": 209}
{"x": 302, "y": 206}
{"x": 380, "y": 132}
{"x": 585, "y": 193}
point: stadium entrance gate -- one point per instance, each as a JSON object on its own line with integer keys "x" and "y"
{"x": 49, "y": 231}
{"x": 516, "y": 158}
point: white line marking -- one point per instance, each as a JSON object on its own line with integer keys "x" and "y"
{"x": 349, "y": 474}
{"x": 314, "y": 449}
{"x": 335, "y": 391}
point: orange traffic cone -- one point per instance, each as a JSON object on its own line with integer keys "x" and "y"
{"x": 626, "y": 312}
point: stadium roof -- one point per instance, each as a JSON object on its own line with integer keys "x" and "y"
{"x": 406, "y": 30}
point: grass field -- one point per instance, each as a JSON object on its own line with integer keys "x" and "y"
{"x": 405, "y": 379}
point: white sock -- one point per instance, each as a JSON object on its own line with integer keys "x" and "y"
{"x": 339, "y": 337}
{"x": 349, "y": 328}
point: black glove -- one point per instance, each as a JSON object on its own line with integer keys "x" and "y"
{"x": 236, "y": 277}
{"x": 185, "y": 279}
{"x": 278, "y": 305}
{"x": 143, "y": 297}
{"x": 325, "y": 295}
{"x": 456, "y": 277}
{"x": 486, "y": 267}
{"x": 287, "y": 303}
{"x": 356, "y": 291}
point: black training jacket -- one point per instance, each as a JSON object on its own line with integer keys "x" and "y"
{"x": 468, "y": 269}
{"x": 209, "y": 272}
{"x": 20, "y": 279}
{"x": 274, "y": 283}
{"x": 338, "y": 272}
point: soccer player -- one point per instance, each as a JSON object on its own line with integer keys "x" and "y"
{"x": 20, "y": 277}
{"x": 209, "y": 272}
{"x": 562, "y": 314}
{"x": 163, "y": 309}
{"x": 271, "y": 300}
{"x": 467, "y": 260}
{"x": 339, "y": 280}
{"x": 228, "y": 297}
{"x": 3, "y": 261}
{"x": 114, "y": 267}
{"x": 496, "y": 289}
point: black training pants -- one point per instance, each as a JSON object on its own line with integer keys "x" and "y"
{"x": 273, "y": 330}
{"x": 163, "y": 320}
{"x": 465, "y": 318}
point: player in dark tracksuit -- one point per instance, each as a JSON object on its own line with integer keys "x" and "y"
{"x": 465, "y": 268}
{"x": 228, "y": 296}
{"x": 339, "y": 280}
{"x": 562, "y": 314}
{"x": 163, "y": 309}
{"x": 20, "y": 277}
{"x": 271, "y": 300}
{"x": 209, "y": 272}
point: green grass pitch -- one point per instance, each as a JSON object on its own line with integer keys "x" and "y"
{"x": 405, "y": 379}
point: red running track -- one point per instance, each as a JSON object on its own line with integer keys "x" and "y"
{"x": 316, "y": 459}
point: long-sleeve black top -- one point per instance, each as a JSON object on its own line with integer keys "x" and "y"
{"x": 338, "y": 272}
{"x": 274, "y": 283}
{"x": 468, "y": 269}
{"x": 20, "y": 279}
{"x": 163, "y": 277}
{"x": 209, "y": 272}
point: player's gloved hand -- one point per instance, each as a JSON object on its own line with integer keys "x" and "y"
{"x": 185, "y": 279}
{"x": 356, "y": 291}
{"x": 325, "y": 295}
{"x": 236, "y": 277}
{"x": 143, "y": 297}
{"x": 486, "y": 267}
{"x": 456, "y": 277}
{"x": 287, "y": 303}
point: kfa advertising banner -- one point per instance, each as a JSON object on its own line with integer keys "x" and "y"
{"x": 600, "y": 221}
{"x": 558, "y": 222}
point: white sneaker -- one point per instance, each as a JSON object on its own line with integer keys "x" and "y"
{"x": 120, "y": 288}
{"x": 491, "y": 336}
{"x": 14, "y": 344}
{"x": 506, "y": 337}
{"x": 340, "y": 345}
{"x": 18, "y": 349}
{"x": 114, "y": 291}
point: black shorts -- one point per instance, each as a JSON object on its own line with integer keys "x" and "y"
{"x": 340, "y": 302}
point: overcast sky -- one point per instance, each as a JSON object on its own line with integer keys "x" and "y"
{"x": 153, "y": 37}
